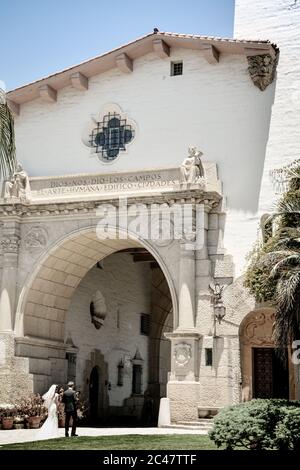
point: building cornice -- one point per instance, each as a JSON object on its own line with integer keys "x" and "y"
{"x": 85, "y": 209}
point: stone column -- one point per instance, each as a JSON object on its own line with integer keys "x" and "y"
{"x": 10, "y": 246}
{"x": 186, "y": 320}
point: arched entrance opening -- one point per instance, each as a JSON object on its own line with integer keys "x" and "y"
{"x": 106, "y": 299}
{"x": 94, "y": 393}
{"x": 264, "y": 374}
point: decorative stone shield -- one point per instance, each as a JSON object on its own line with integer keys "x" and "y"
{"x": 182, "y": 354}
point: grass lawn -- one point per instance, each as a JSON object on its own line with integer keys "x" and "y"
{"x": 132, "y": 442}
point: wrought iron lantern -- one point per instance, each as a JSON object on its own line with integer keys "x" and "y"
{"x": 218, "y": 305}
{"x": 219, "y": 311}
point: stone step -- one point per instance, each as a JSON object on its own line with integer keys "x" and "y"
{"x": 187, "y": 427}
{"x": 199, "y": 422}
{"x": 196, "y": 426}
{"x": 202, "y": 425}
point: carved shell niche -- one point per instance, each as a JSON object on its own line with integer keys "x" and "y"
{"x": 98, "y": 309}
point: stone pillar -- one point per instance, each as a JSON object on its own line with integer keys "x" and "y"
{"x": 186, "y": 288}
{"x": 183, "y": 385}
{"x": 15, "y": 379}
{"x": 10, "y": 246}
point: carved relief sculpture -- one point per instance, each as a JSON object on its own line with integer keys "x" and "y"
{"x": 18, "y": 186}
{"x": 262, "y": 69}
{"x": 35, "y": 239}
{"x": 10, "y": 244}
{"x": 258, "y": 329}
{"x": 192, "y": 169}
{"x": 182, "y": 354}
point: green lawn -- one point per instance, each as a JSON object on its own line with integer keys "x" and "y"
{"x": 133, "y": 442}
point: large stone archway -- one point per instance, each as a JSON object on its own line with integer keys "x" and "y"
{"x": 257, "y": 344}
{"x": 46, "y": 296}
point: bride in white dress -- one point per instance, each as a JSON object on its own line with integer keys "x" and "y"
{"x": 49, "y": 430}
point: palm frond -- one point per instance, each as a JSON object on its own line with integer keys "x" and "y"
{"x": 7, "y": 141}
{"x": 287, "y": 316}
{"x": 272, "y": 258}
{"x": 289, "y": 264}
{"x": 289, "y": 243}
{"x": 288, "y": 206}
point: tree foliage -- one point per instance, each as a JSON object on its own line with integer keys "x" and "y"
{"x": 273, "y": 273}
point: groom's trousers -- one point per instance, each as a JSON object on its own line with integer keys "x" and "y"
{"x": 69, "y": 415}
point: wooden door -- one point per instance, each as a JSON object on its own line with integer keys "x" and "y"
{"x": 270, "y": 374}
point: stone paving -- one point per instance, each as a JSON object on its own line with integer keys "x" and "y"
{"x": 27, "y": 435}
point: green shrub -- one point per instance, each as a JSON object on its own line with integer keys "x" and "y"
{"x": 257, "y": 424}
{"x": 288, "y": 431}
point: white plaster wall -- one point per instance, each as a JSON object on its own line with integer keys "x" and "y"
{"x": 215, "y": 107}
{"x": 126, "y": 287}
{"x": 278, "y": 21}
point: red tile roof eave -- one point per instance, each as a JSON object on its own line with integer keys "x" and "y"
{"x": 216, "y": 38}
{"x": 80, "y": 63}
{"x": 142, "y": 38}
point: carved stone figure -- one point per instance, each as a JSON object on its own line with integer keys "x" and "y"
{"x": 262, "y": 69}
{"x": 217, "y": 292}
{"x": 192, "y": 169}
{"x": 18, "y": 186}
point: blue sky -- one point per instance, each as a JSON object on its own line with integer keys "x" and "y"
{"x": 40, "y": 37}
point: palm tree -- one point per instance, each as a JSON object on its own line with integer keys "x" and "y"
{"x": 287, "y": 272}
{"x": 283, "y": 263}
{"x": 7, "y": 139}
{"x": 274, "y": 270}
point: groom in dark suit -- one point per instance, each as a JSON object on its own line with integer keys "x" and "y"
{"x": 69, "y": 398}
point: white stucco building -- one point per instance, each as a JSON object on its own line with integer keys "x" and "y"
{"x": 133, "y": 315}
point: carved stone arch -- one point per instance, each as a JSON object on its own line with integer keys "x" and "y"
{"x": 256, "y": 331}
{"x": 57, "y": 262}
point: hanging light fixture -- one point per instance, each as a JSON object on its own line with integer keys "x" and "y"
{"x": 217, "y": 301}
